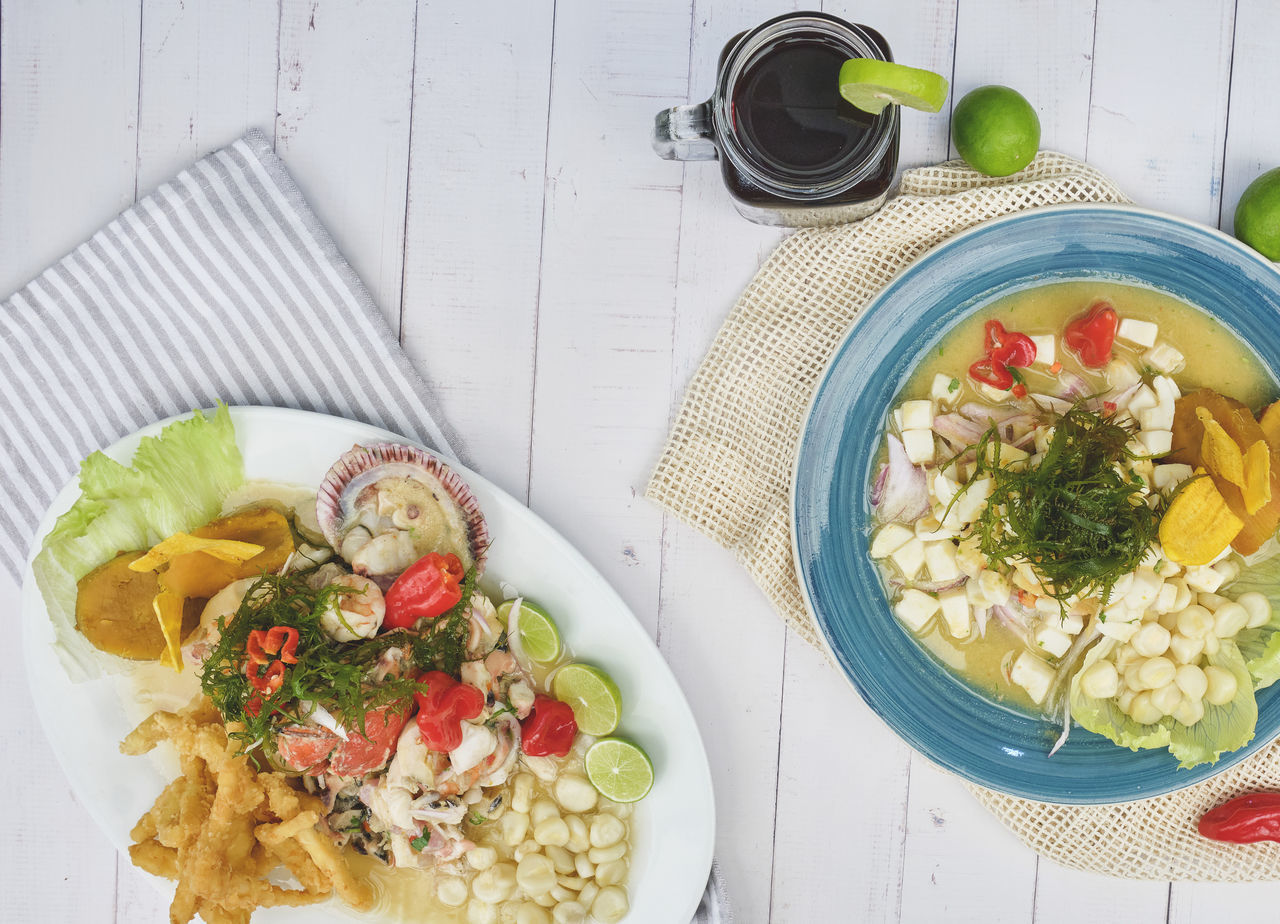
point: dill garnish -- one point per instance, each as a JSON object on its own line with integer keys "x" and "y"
{"x": 1077, "y": 517}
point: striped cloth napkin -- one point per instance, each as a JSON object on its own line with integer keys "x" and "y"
{"x": 220, "y": 285}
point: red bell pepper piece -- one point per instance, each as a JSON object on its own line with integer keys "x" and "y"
{"x": 549, "y": 729}
{"x": 992, "y": 372}
{"x": 278, "y": 640}
{"x": 1008, "y": 347}
{"x": 268, "y": 681}
{"x": 428, "y": 588}
{"x": 1091, "y": 335}
{"x": 443, "y": 708}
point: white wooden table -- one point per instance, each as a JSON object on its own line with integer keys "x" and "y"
{"x": 486, "y": 168}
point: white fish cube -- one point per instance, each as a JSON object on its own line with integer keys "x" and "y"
{"x": 928, "y": 529}
{"x": 1052, "y": 640}
{"x": 890, "y": 538}
{"x": 1166, "y": 389}
{"x": 968, "y": 505}
{"x": 1163, "y": 358}
{"x": 915, "y": 608}
{"x": 1170, "y": 474}
{"x": 1033, "y": 675}
{"x": 1159, "y": 417}
{"x": 1143, "y": 398}
{"x": 1143, "y": 590}
{"x": 1009, "y": 454}
{"x": 1120, "y": 374}
{"x": 909, "y": 557}
{"x": 1046, "y": 349}
{"x": 945, "y": 389}
{"x": 1203, "y": 579}
{"x": 1120, "y": 629}
{"x": 1155, "y": 442}
{"x": 940, "y": 559}
{"x": 995, "y": 587}
{"x": 1140, "y": 333}
{"x": 1072, "y": 623}
{"x": 919, "y": 445}
{"x": 917, "y": 415}
{"x": 955, "y": 611}
{"x": 994, "y": 395}
{"x": 1165, "y": 598}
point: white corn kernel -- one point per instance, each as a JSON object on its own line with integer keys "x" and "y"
{"x": 1151, "y": 639}
{"x": 1211, "y": 644}
{"x": 578, "y": 838}
{"x": 1211, "y": 602}
{"x": 1119, "y": 626}
{"x": 514, "y": 826}
{"x": 480, "y": 912}
{"x": 919, "y": 445}
{"x": 1143, "y": 711}
{"x": 451, "y": 890}
{"x": 495, "y": 884}
{"x": 606, "y": 830}
{"x": 888, "y": 539}
{"x": 1143, "y": 589}
{"x": 560, "y": 858}
{"x": 1100, "y": 681}
{"x": 1203, "y": 579}
{"x": 481, "y": 858}
{"x": 955, "y": 611}
{"x": 536, "y": 874}
{"x": 583, "y": 866}
{"x": 1229, "y": 570}
{"x": 1156, "y": 672}
{"x": 1220, "y": 686}
{"x": 569, "y": 912}
{"x": 1185, "y": 596}
{"x": 611, "y": 873}
{"x": 1165, "y": 599}
{"x": 1033, "y": 675}
{"x": 940, "y": 559}
{"x": 1191, "y": 681}
{"x": 541, "y": 810}
{"x": 574, "y": 793}
{"x": 551, "y": 832}
{"x": 1166, "y": 698}
{"x": 531, "y": 913}
{"x": 1195, "y": 621}
{"x": 1124, "y": 699}
{"x": 522, "y": 787}
{"x": 1229, "y": 619}
{"x": 1258, "y": 607}
{"x": 1186, "y": 650}
{"x": 610, "y": 906}
{"x": 1189, "y": 711}
{"x": 599, "y": 855}
{"x": 1139, "y": 333}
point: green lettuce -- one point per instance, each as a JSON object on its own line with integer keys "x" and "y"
{"x": 177, "y": 482}
{"x": 1223, "y": 728}
{"x": 1260, "y": 646}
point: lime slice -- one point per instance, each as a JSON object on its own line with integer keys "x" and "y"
{"x": 619, "y": 770}
{"x": 596, "y": 702}
{"x": 538, "y": 632}
{"x": 871, "y": 85}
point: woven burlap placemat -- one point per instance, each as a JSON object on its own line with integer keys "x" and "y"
{"x": 726, "y": 470}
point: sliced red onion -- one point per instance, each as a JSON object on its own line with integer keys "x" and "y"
{"x": 515, "y": 639}
{"x": 929, "y": 587}
{"x": 322, "y": 717}
{"x": 877, "y": 489}
{"x": 1066, "y": 728}
{"x": 985, "y": 414}
{"x": 980, "y": 615}
{"x": 958, "y": 430}
{"x": 1071, "y": 386}
{"x": 905, "y": 496}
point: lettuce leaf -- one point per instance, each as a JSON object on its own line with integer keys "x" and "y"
{"x": 1223, "y": 728}
{"x": 177, "y": 482}
{"x": 1261, "y": 646}
{"x": 1104, "y": 716}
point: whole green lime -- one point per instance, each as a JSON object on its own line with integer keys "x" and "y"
{"x": 995, "y": 130}
{"x": 1258, "y": 215}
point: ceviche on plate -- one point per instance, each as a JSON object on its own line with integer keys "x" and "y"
{"x": 372, "y": 713}
{"x": 1077, "y": 512}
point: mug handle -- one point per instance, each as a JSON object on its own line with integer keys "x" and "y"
{"x": 685, "y": 133}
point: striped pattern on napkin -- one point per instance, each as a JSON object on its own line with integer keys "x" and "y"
{"x": 220, "y": 285}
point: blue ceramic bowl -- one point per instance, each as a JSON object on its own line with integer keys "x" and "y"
{"x": 930, "y": 708}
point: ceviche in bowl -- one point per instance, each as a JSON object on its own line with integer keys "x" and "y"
{"x": 389, "y": 687}
{"x": 1053, "y": 567}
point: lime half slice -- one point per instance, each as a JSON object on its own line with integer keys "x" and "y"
{"x": 596, "y": 702}
{"x": 538, "y": 632}
{"x": 871, "y": 85}
{"x": 619, "y": 770}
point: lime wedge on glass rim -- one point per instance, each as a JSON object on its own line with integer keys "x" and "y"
{"x": 538, "y": 632}
{"x": 871, "y": 85}
{"x": 619, "y": 770}
{"x": 594, "y": 697}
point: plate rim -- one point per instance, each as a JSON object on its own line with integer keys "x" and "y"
{"x": 30, "y": 600}
{"x": 875, "y": 303}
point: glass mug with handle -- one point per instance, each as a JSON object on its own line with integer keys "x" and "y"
{"x": 792, "y": 151}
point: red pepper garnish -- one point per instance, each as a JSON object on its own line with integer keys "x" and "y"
{"x": 1245, "y": 819}
{"x": 428, "y": 588}
{"x": 278, "y": 640}
{"x": 270, "y": 680}
{"x": 1019, "y": 390}
{"x": 993, "y": 373}
{"x": 1091, "y": 335}
{"x": 443, "y": 708}
{"x": 549, "y": 729}
{"x": 1008, "y": 347}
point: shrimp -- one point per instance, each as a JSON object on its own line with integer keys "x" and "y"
{"x": 350, "y": 616}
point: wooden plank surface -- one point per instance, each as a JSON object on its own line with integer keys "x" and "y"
{"x": 486, "y": 169}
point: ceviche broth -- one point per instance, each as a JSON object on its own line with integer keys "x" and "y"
{"x": 1075, "y": 512}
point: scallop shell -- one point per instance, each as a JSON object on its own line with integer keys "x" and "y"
{"x": 362, "y": 466}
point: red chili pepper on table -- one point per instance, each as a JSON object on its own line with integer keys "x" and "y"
{"x": 428, "y": 588}
{"x": 1092, "y": 335}
{"x": 549, "y": 729}
{"x": 443, "y": 708}
{"x": 1245, "y": 819}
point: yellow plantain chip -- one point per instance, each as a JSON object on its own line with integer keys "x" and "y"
{"x": 167, "y": 550}
{"x": 168, "y": 607}
{"x": 1219, "y": 451}
{"x": 1198, "y": 524}
{"x": 1257, "y": 477}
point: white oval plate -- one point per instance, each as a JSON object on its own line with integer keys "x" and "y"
{"x": 667, "y": 878}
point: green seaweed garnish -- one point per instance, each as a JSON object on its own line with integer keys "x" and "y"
{"x": 1077, "y": 516}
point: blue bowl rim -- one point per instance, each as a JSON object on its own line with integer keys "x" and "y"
{"x": 928, "y": 256}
